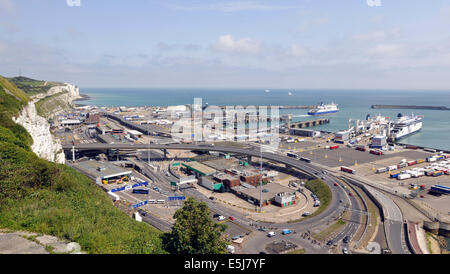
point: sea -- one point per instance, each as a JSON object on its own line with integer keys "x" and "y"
{"x": 353, "y": 104}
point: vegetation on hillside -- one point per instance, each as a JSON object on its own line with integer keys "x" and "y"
{"x": 49, "y": 104}
{"x": 322, "y": 191}
{"x": 31, "y": 86}
{"x": 44, "y": 197}
{"x": 194, "y": 231}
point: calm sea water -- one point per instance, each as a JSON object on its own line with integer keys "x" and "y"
{"x": 352, "y": 104}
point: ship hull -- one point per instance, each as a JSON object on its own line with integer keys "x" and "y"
{"x": 322, "y": 112}
{"x": 408, "y": 135}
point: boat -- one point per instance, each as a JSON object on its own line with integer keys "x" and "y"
{"x": 267, "y": 90}
{"x": 404, "y": 126}
{"x": 323, "y": 109}
{"x": 290, "y": 93}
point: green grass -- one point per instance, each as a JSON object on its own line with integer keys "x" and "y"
{"x": 322, "y": 191}
{"x": 48, "y": 198}
{"x": 298, "y": 251}
{"x": 47, "y": 105}
{"x": 321, "y": 236}
{"x": 31, "y": 86}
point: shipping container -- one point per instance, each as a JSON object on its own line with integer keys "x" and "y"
{"x": 376, "y": 152}
{"x": 412, "y": 163}
{"x": 392, "y": 168}
{"x": 420, "y": 161}
{"x": 381, "y": 170}
{"x": 395, "y": 175}
{"x": 403, "y": 176}
{"x": 438, "y": 173}
{"x": 334, "y": 147}
{"x": 348, "y": 170}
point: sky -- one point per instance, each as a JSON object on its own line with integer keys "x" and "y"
{"x": 293, "y": 44}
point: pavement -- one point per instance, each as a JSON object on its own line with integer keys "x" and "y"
{"x": 20, "y": 242}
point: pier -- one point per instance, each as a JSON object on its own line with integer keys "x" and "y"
{"x": 310, "y": 123}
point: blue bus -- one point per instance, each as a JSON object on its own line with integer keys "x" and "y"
{"x": 140, "y": 191}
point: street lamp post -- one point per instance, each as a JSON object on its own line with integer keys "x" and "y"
{"x": 260, "y": 179}
{"x": 148, "y": 150}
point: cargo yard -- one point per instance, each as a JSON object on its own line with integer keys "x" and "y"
{"x": 155, "y": 182}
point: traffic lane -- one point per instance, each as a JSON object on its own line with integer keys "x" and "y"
{"x": 394, "y": 235}
{"x": 259, "y": 240}
{"x": 155, "y": 221}
{"x": 218, "y": 208}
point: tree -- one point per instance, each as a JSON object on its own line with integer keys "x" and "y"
{"x": 194, "y": 231}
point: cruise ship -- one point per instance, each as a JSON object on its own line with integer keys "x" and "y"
{"x": 324, "y": 109}
{"x": 404, "y": 126}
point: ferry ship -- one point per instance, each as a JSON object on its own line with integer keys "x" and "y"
{"x": 324, "y": 109}
{"x": 405, "y": 125}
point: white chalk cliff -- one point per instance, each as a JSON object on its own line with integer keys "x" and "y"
{"x": 45, "y": 145}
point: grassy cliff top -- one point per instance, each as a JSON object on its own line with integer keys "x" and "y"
{"x": 11, "y": 87}
{"x": 32, "y": 86}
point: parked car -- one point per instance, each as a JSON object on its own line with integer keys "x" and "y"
{"x": 346, "y": 239}
{"x": 212, "y": 198}
{"x": 221, "y": 218}
{"x": 350, "y": 194}
{"x": 216, "y": 215}
{"x": 271, "y": 234}
{"x": 330, "y": 242}
{"x": 345, "y": 250}
{"x": 306, "y": 213}
{"x": 335, "y": 184}
{"x": 232, "y": 218}
{"x": 286, "y": 231}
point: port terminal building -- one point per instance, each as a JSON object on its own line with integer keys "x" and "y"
{"x": 103, "y": 171}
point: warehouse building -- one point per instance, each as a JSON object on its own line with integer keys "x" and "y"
{"x": 269, "y": 194}
{"x": 198, "y": 169}
{"x": 284, "y": 199}
{"x": 103, "y": 172}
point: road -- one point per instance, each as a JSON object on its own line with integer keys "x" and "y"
{"x": 393, "y": 225}
{"x": 393, "y": 222}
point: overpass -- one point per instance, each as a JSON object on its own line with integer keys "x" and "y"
{"x": 251, "y": 152}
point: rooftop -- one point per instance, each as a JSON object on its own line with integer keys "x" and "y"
{"x": 200, "y": 168}
{"x": 103, "y": 170}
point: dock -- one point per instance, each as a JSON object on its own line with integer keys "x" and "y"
{"x": 311, "y": 123}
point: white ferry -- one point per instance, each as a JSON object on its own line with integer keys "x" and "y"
{"x": 324, "y": 109}
{"x": 405, "y": 125}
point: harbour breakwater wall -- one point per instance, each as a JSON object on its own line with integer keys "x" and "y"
{"x": 409, "y": 107}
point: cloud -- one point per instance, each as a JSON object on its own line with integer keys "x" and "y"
{"x": 371, "y": 36}
{"x": 229, "y": 44}
{"x": 377, "y": 36}
{"x": 234, "y": 6}
{"x": 386, "y": 50}
{"x": 297, "y": 50}
{"x": 312, "y": 23}
{"x": 6, "y": 5}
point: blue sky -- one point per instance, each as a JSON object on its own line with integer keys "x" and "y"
{"x": 402, "y": 44}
